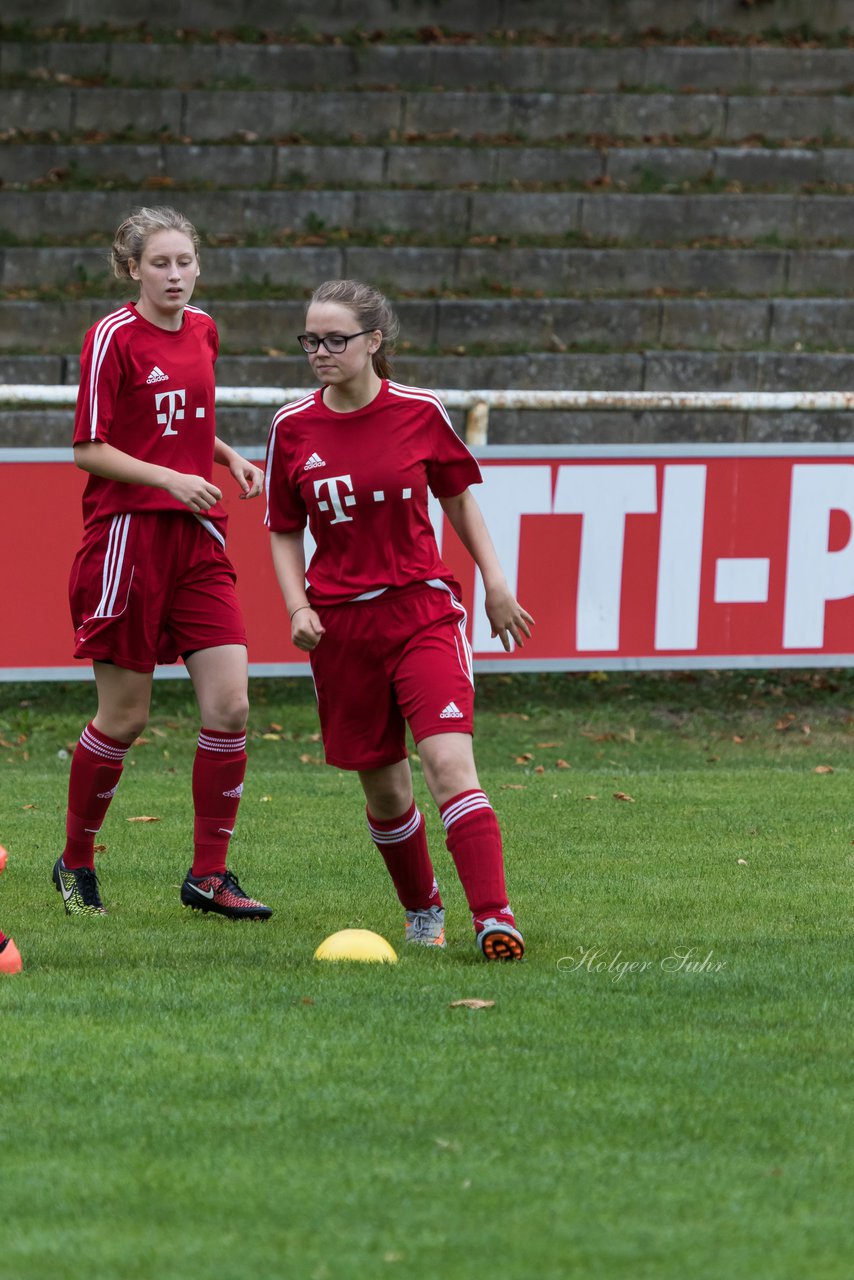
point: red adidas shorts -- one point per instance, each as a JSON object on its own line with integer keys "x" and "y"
{"x": 400, "y": 658}
{"x": 148, "y": 587}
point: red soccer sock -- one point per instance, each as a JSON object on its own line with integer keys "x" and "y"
{"x": 96, "y": 767}
{"x": 403, "y": 844}
{"x": 474, "y": 840}
{"x": 218, "y": 772}
{"x": 2, "y": 937}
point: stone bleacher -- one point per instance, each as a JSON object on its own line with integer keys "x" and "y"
{"x": 626, "y": 196}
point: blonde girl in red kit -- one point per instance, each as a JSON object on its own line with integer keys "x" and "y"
{"x": 151, "y": 581}
{"x": 379, "y": 612}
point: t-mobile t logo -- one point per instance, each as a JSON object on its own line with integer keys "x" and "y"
{"x": 170, "y": 405}
{"x": 337, "y": 498}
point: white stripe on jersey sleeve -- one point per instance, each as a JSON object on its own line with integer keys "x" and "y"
{"x": 104, "y": 331}
{"x": 419, "y": 393}
{"x": 295, "y": 406}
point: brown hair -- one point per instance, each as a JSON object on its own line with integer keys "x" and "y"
{"x": 372, "y": 311}
{"x": 130, "y": 238}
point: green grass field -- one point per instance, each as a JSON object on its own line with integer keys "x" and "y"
{"x": 661, "y": 1090}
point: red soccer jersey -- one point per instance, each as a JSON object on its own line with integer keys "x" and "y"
{"x": 361, "y": 480}
{"x": 149, "y": 392}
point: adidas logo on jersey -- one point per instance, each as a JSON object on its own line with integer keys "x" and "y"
{"x": 314, "y": 461}
{"x": 156, "y": 375}
{"x": 451, "y": 712}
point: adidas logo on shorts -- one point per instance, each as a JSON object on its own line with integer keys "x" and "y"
{"x": 314, "y": 461}
{"x": 451, "y": 712}
{"x": 156, "y": 375}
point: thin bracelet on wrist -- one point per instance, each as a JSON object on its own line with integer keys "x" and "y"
{"x": 296, "y": 611}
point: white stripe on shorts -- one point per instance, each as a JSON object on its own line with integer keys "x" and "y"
{"x": 114, "y": 561}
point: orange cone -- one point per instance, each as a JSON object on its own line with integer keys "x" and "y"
{"x": 10, "y": 958}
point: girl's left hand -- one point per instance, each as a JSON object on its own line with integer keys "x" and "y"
{"x": 249, "y": 477}
{"x": 509, "y": 621}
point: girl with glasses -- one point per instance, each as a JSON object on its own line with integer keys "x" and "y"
{"x": 377, "y": 609}
{"x": 151, "y": 581}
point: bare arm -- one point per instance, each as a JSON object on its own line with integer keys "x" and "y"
{"x": 289, "y": 564}
{"x": 196, "y": 493}
{"x": 509, "y": 621}
{"x": 250, "y": 478}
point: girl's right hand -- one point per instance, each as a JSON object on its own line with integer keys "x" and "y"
{"x": 306, "y": 628}
{"x": 196, "y": 493}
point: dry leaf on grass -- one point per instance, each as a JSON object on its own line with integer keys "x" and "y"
{"x": 143, "y": 817}
{"x": 307, "y": 759}
{"x": 737, "y": 738}
{"x": 742, "y": 862}
{"x": 823, "y": 768}
{"x": 471, "y": 1004}
{"x": 524, "y": 759}
{"x": 539, "y": 769}
{"x": 591, "y": 797}
{"x": 512, "y": 786}
{"x": 562, "y": 764}
{"x": 544, "y": 746}
{"x": 271, "y": 737}
{"x": 621, "y": 795}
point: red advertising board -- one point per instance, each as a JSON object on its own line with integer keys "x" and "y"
{"x": 653, "y": 557}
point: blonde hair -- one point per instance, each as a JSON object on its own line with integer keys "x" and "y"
{"x": 130, "y": 238}
{"x": 372, "y": 311}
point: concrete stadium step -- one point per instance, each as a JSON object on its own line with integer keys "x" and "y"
{"x": 514, "y": 68}
{"x": 154, "y": 165}
{"x": 206, "y": 115}
{"x": 603, "y": 217}
{"x": 403, "y": 269}
{"x": 455, "y": 326}
{"x": 548, "y": 17}
{"x": 643, "y": 370}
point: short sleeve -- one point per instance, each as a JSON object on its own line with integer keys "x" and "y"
{"x": 286, "y": 511}
{"x": 451, "y": 467}
{"x": 98, "y": 391}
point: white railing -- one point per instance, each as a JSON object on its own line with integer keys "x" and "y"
{"x": 478, "y": 403}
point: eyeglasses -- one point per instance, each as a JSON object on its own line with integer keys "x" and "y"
{"x": 335, "y": 343}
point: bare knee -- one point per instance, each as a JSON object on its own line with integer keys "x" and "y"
{"x": 388, "y": 791}
{"x": 448, "y": 764}
{"x": 229, "y": 714}
{"x": 125, "y": 724}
